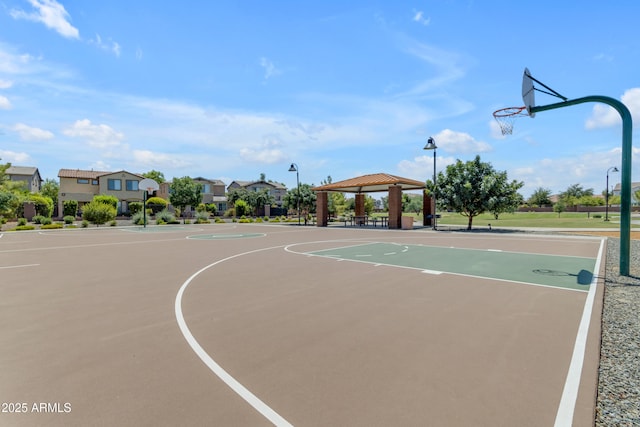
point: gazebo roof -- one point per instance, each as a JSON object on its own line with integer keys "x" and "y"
{"x": 372, "y": 183}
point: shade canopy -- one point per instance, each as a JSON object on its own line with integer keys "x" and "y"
{"x": 373, "y": 183}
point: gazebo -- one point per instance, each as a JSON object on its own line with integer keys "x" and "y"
{"x": 373, "y": 183}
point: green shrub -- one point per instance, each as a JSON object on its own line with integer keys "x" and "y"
{"x": 266, "y": 218}
{"x": 258, "y": 219}
{"x": 46, "y": 221}
{"x": 219, "y": 220}
{"x": 242, "y": 208}
{"x": 135, "y": 207}
{"x": 70, "y": 208}
{"x": 98, "y": 212}
{"x": 157, "y": 204}
{"x": 25, "y": 227}
{"x": 68, "y": 219}
{"x": 22, "y": 221}
{"x": 85, "y": 223}
{"x": 113, "y": 223}
{"x": 201, "y": 207}
{"x": 107, "y": 200}
{"x": 37, "y": 219}
{"x": 202, "y": 217}
{"x": 43, "y": 204}
{"x": 52, "y": 226}
{"x": 165, "y": 216}
{"x": 138, "y": 218}
{"x": 212, "y": 208}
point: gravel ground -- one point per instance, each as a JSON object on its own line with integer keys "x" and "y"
{"x": 619, "y": 380}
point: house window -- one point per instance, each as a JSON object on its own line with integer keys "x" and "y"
{"x": 94, "y": 182}
{"x": 132, "y": 185}
{"x": 206, "y": 188}
{"x": 83, "y": 181}
{"x": 114, "y": 184}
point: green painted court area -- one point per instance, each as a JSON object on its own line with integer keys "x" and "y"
{"x": 535, "y": 269}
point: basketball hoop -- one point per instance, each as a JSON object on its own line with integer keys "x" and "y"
{"x": 507, "y": 116}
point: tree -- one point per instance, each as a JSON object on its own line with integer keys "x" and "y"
{"x": 185, "y": 192}
{"x": 559, "y": 207}
{"x": 50, "y": 188}
{"x": 413, "y": 203}
{"x": 574, "y": 193}
{"x": 307, "y": 199}
{"x": 475, "y": 187}
{"x": 258, "y": 199}
{"x": 540, "y": 197}
{"x": 155, "y": 175}
{"x": 241, "y": 207}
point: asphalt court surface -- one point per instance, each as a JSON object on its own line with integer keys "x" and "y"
{"x": 198, "y": 325}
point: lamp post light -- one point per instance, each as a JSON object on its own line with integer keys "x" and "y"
{"x": 606, "y": 193}
{"x": 431, "y": 145}
{"x": 294, "y": 168}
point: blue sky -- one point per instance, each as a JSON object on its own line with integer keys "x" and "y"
{"x": 230, "y": 90}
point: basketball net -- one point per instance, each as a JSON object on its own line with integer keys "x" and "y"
{"x": 507, "y": 116}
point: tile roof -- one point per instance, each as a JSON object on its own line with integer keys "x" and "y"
{"x": 79, "y": 173}
{"x": 372, "y": 183}
{"x": 21, "y": 170}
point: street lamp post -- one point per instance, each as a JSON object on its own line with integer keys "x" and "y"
{"x": 294, "y": 168}
{"x": 431, "y": 145}
{"x": 606, "y": 193}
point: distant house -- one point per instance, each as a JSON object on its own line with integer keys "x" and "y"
{"x": 276, "y": 190}
{"x": 27, "y": 174}
{"x": 635, "y": 187}
{"x": 213, "y": 191}
{"x": 82, "y": 185}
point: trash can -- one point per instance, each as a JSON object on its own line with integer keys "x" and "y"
{"x": 407, "y": 223}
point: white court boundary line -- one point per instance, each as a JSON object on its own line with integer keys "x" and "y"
{"x": 566, "y": 409}
{"x": 241, "y": 390}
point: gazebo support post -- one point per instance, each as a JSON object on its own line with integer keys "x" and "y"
{"x": 322, "y": 208}
{"x": 395, "y": 207}
{"x": 427, "y": 211}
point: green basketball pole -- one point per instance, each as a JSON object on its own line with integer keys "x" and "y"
{"x": 625, "y": 206}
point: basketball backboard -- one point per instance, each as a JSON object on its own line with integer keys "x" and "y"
{"x": 528, "y": 92}
{"x": 149, "y": 185}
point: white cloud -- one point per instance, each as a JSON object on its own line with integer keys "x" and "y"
{"x": 109, "y": 45}
{"x": 606, "y": 116}
{"x": 268, "y": 153}
{"x": 270, "y": 69}
{"x": 28, "y": 133}
{"x": 157, "y": 160}
{"x": 5, "y": 104}
{"x": 419, "y": 18}
{"x": 495, "y": 130}
{"x": 460, "y": 142}
{"x": 421, "y": 168}
{"x": 13, "y": 157}
{"x": 98, "y": 136}
{"x": 52, "y": 14}
{"x": 5, "y": 84}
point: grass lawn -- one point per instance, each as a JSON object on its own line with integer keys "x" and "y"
{"x": 536, "y": 219}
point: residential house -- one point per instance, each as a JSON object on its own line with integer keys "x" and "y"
{"x": 276, "y": 190}
{"x": 27, "y": 174}
{"x": 213, "y": 191}
{"x": 635, "y": 187}
{"x": 82, "y": 185}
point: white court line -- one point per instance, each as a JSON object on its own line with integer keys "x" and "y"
{"x": 241, "y": 390}
{"x": 566, "y": 409}
{"x": 20, "y": 266}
